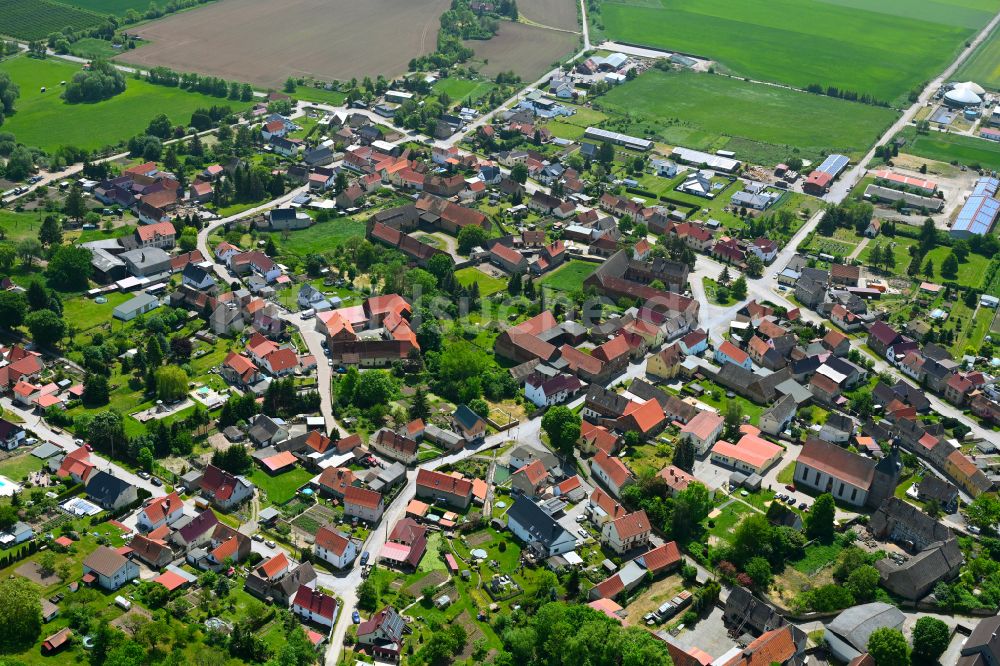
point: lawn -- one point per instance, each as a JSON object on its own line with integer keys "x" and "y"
{"x": 487, "y": 285}
{"x": 18, "y": 226}
{"x": 970, "y": 272}
{"x": 17, "y": 467}
{"x": 86, "y": 314}
{"x": 727, "y": 520}
{"x": 463, "y": 89}
{"x": 319, "y": 238}
{"x": 569, "y": 276}
{"x": 44, "y": 120}
{"x": 280, "y": 487}
{"x": 973, "y": 332}
{"x": 760, "y": 123}
{"x": 817, "y": 556}
{"x": 91, "y": 48}
{"x": 883, "y": 52}
{"x": 966, "y": 150}
{"x": 319, "y": 95}
{"x": 983, "y": 66}
{"x": 747, "y": 408}
{"x": 900, "y": 251}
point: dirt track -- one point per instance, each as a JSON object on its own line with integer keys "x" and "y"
{"x": 264, "y": 42}
{"x": 528, "y": 50}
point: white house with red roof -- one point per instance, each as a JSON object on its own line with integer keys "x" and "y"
{"x": 703, "y": 430}
{"x": 223, "y": 489}
{"x": 160, "y": 234}
{"x": 627, "y": 532}
{"x": 334, "y": 547}
{"x": 612, "y": 472}
{"x": 160, "y": 511}
{"x": 602, "y": 507}
{"x": 454, "y": 490}
{"x": 75, "y": 465}
{"x": 532, "y": 479}
{"x": 313, "y": 606}
{"x": 364, "y": 504}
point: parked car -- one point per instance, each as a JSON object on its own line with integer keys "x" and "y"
{"x": 258, "y": 538}
{"x": 156, "y": 482}
{"x": 356, "y": 617}
{"x": 269, "y": 544}
{"x": 581, "y": 518}
{"x": 364, "y": 558}
{"x": 143, "y": 474}
{"x": 803, "y": 506}
{"x": 790, "y": 487}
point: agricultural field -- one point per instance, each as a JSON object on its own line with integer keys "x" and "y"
{"x": 91, "y": 48}
{"x": 527, "y": 50}
{"x": 760, "y": 123}
{"x": 116, "y": 7}
{"x": 319, "y": 95}
{"x": 569, "y": 276}
{"x": 983, "y": 66}
{"x": 37, "y": 19}
{"x": 553, "y": 13}
{"x": 884, "y": 52}
{"x": 237, "y": 40}
{"x": 44, "y": 120}
{"x": 966, "y": 150}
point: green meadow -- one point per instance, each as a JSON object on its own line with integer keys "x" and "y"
{"x": 759, "y": 122}
{"x": 43, "y": 119}
{"x": 966, "y": 150}
{"x": 885, "y": 51}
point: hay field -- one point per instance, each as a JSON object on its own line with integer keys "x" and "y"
{"x": 264, "y": 42}
{"x": 885, "y": 52}
{"x": 527, "y": 50}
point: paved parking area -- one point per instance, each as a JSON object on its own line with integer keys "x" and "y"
{"x": 710, "y": 635}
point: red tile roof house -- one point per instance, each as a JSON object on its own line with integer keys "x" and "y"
{"x": 437, "y": 486}
{"x": 957, "y": 390}
{"x": 655, "y": 563}
{"x": 393, "y": 445}
{"x": 594, "y": 438}
{"x": 676, "y": 479}
{"x": 532, "y": 479}
{"x": 382, "y": 634}
{"x": 238, "y": 370}
{"x": 406, "y": 545}
{"x": 364, "y": 504}
{"x": 627, "y": 533}
{"x": 614, "y": 354}
{"x": 508, "y": 258}
{"x": 313, "y": 606}
{"x": 646, "y": 418}
{"x": 602, "y": 507}
{"x": 76, "y": 465}
{"x": 612, "y": 472}
{"x": 334, "y": 547}
{"x": 223, "y": 489}
{"x": 335, "y": 481}
{"x": 703, "y": 430}
{"x": 160, "y": 511}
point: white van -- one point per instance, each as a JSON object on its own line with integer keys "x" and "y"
{"x": 123, "y": 603}
{"x": 308, "y": 314}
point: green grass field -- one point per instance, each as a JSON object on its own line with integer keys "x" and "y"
{"x": 569, "y": 276}
{"x": 461, "y": 89}
{"x": 91, "y": 48}
{"x": 320, "y": 95}
{"x": 281, "y": 487}
{"x": 487, "y": 285}
{"x": 44, "y": 120}
{"x": 319, "y": 238}
{"x": 708, "y": 112}
{"x": 37, "y": 19}
{"x": 884, "y": 52}
{"x": 17, "y": 467}
{"x": 983, "y": 66}
{"x": 966, "y": 150}
{"x": 970, "y": 272}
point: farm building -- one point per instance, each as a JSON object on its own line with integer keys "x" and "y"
{"x": 618, "y": 139}
{"x": 964, "y": 95}
{"x": 980, "y": 211}
{"x": 139, "y": 305}
{"x": 878, "y": 193}
{"x": 698, "y": 158}
{"x": 820, "y": 179}
{"x": 897, "y": 180}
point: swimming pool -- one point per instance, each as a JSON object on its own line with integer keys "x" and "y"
{"x": 8, "y": 487}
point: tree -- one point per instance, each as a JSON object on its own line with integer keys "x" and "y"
{"x": 470, "y": 237}
{"x": 20, "y": 164}
{"x": 145, "y": 458}
{"x": 724, "y": 276}
{"x": 171, "y": 383}
{"x": 819, "y": 522}
{"x": 375, "y": 387}
{"x": 928, "y": 269}
{"x": 519, "y": 173}
{"x": 961, "y": 251}
{"x": 95, "y": 390}
{"x": 8, "y": 516}
{"x": 949, "y": 267}
{"x": 739, "y": 288}
{"x": 235, "y": 459}
{"x": 563, "y": 428}
{"x": 419, "y": 409}
{"x": 28, "y": 249}
{"x": 888, "y": 647}
{"x": 69, "y": 267}
{"x": 75, "y": 207}
{"x": 46, "y": 327}
{"x": 290, "y": 85}
{"x": 930, "y": 639}
{"x": 606, "y": 154}
{"x": 684, "y": 455}
{"x": 13, "y": 308}
{"x": 755, "y": 267}
{"x": 759, "y": 571}
{"x": 691, "y": 506}
{"x": 20, "y": 614}
{"x": 9, "y": 92}
{"x": 733, "y": 419}
{"x": 368, "y": 594}
{"x": 863, "y": 583}
{"x": 984, "y": 513}
{"x": 50, "y": 233}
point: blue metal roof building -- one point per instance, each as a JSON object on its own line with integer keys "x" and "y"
{"x": 979, "y": 212}
{"x": 833, "y": 164}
